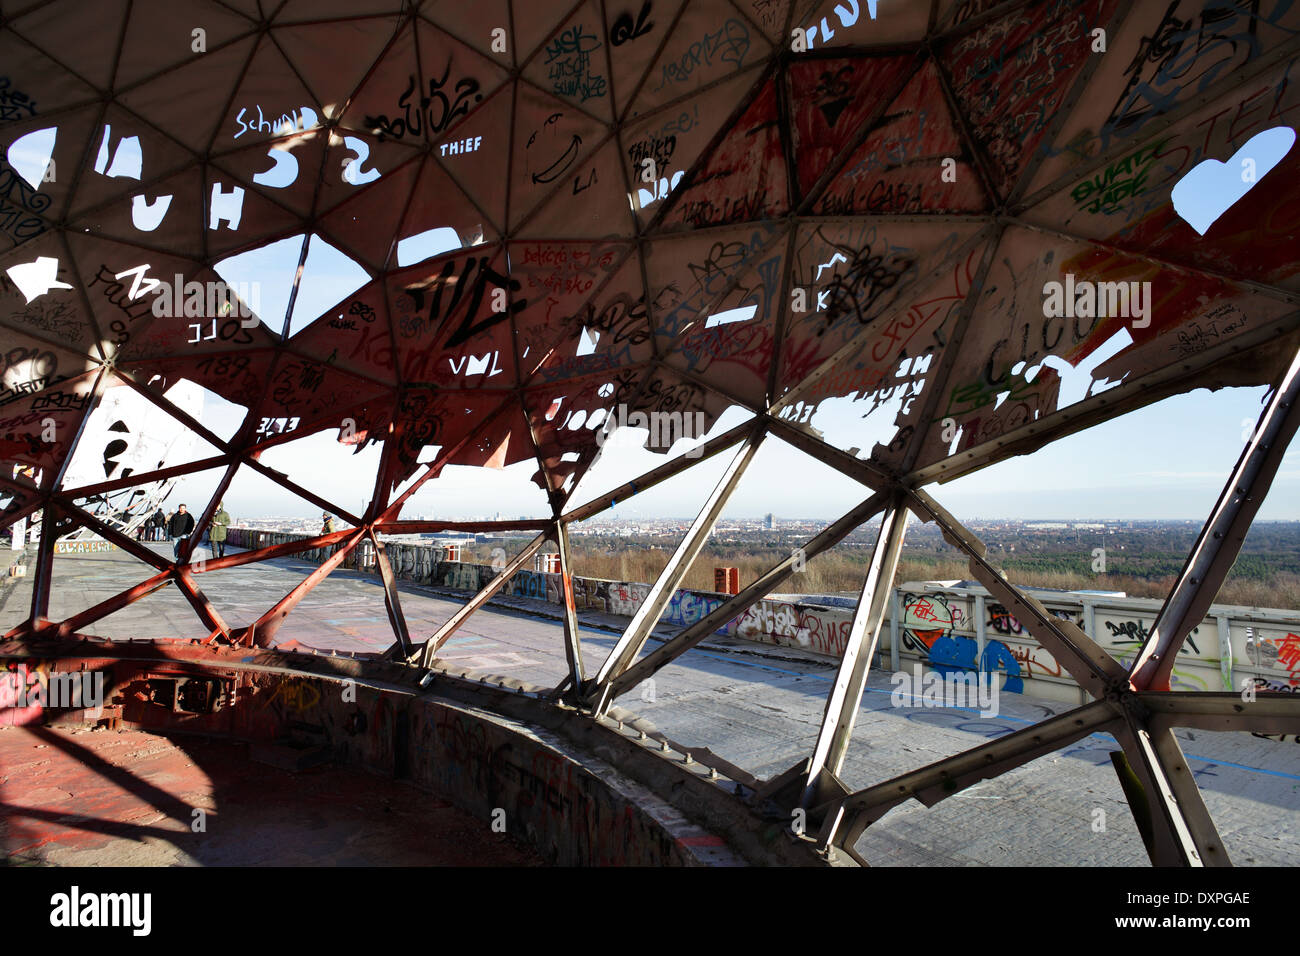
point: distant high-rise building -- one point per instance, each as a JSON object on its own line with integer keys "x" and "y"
{"x": 769, "y": 522}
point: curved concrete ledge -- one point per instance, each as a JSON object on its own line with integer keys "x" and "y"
{"x": 495, "y": 748}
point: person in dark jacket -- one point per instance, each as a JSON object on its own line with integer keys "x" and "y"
{"x": 180, "y": 527}
{"x": 159, "y": 525}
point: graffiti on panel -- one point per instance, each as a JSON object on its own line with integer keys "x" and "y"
{"x": 1122, "y": 633}
{"x": 1184, "y": 57}
{"x": 822, "y": 630}
{"x": 626, "y": 598}
{"x": 1276, "y": 653}
{"x": 569, "y": 64}
{"x": 927, "y": 628}
{"x": 730, "y": 43}
{"x": 293, "y": 697}
{"x": 432, "y": 113}
{"x": 688, "y": 607}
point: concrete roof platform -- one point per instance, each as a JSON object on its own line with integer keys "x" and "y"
{"x": 752, "y": 706}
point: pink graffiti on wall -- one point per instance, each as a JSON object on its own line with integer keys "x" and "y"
{"x": 20, "y": 696}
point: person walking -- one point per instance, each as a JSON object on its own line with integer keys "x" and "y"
{"x": 217, "y": 534}
{"x": 159, "y": 525}
{"x": 180, "y": 527}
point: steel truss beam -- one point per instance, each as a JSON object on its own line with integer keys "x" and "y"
{"x": 1221, "y": 537}
{"x": 1158, "y": 759}
{"x": 693, "y": 634}
{"x": 845, "y": 696}
{"x": 429, "y": 651}
{"x": 1182, "y": 832}
{"x": 846, "y": 818}
{"x": 1085, "y": 660}
{"x": 1267, "y": 713}
{"x": 625, "y": 652}
{"x": 263, "y": 629}
{"x": 392, "y": 601}
{"x": 656, "y": 475}
{"x": 1169, "y": 807}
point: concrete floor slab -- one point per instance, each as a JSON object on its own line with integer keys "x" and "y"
{"x": 129, "y": 798}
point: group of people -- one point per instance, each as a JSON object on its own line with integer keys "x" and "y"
{"x": 153, "y": 528}
{"x": 180, "y": 525}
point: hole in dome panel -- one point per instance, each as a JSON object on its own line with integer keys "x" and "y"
{"x": 1217, "y": 190}
{"x": 1060, "y": 327}
{"x": 37, "y": 294}
{"x": 128, "y": 435}
{"x": 331, "y": 464}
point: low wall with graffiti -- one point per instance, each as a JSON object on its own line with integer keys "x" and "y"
{"x": 946, "y": 627}
{"x": 965, "y": 628}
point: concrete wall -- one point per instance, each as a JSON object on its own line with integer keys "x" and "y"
{"x": 573, "y": 807}
{"x": 947, "y": 628}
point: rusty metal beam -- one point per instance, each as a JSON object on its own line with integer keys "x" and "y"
{"x": 143, "y": 477}
{"x": 392, "y": 601}
{"x": 572, "y": 637}
{"x": 439, "y": 637}
{"x": 40, "y": 606}
{"x": 263, "y": 629}
{"x": 1221, "y": 538}
{"x": 1086, "y": 661}
{"x": 202, "y": 520}
{"x": 848, "y": 817}
{"x": 125, "y": 542}
{"x": 208, "y": 614}
{"x": 656, "y": 475}
{"x": 273, "y": 551}
{"x": 284, "y": 481}
{"x": 116, "y": 602}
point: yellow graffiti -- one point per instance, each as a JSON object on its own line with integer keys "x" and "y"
{"x": 295, "y": 695}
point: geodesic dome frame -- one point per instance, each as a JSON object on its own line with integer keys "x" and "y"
{"x": 676, "y": 208}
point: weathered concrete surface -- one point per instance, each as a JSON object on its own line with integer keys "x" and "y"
{"x": 582, "y": 792}
{"x": 760, "y": 707}
{"x": 128, "y": 798}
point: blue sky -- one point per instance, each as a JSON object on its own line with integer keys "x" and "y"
{"x": 1167, "y": 461}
